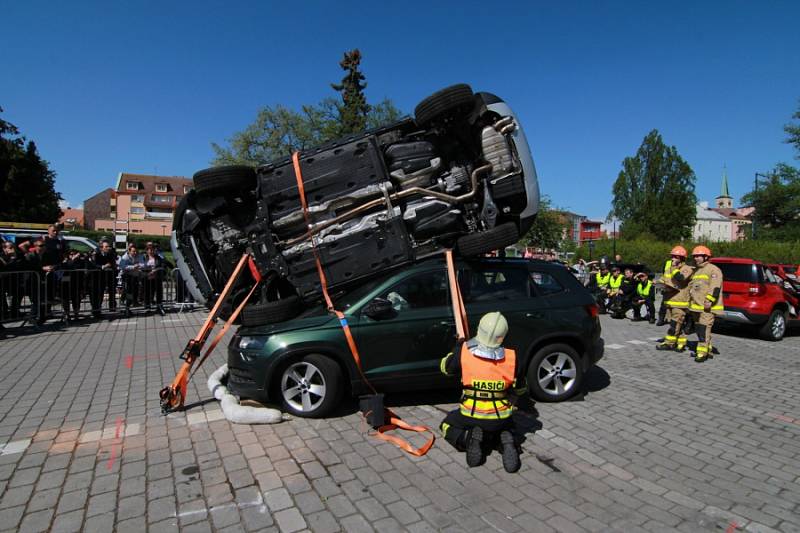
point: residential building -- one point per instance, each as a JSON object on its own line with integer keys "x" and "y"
{"x": 590, "y": 230}
{"x": 143, "y": 203}
{"x": 711, "y": 226}
{"x": 579, "y": 228}
{"x": 72, "y": 218}
{"x": 98, "y": 206}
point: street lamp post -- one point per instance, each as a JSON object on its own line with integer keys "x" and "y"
{"x": 755, "y": 190}
{"x": 614, "y": 240}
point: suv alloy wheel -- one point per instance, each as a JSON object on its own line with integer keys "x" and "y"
{"x": 555, "y": 373}
{"x": 311, "y": 386}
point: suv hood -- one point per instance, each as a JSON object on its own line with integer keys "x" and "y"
{"x": 290, "y": 325}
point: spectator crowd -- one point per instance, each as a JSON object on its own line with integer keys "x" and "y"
{"x": 44, "y": 272}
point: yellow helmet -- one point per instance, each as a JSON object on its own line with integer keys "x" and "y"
{"x": 492, "y": 329}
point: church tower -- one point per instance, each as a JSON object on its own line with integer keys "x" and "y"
{"x": 724, "y": 200}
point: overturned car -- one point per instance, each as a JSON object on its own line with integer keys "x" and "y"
{"x": 458, "y": 175}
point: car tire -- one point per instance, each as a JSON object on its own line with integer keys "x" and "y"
{"x": 445, "y": 103}
{"x": 320, "y": 393}
{"x": 271, "y": 312}
{"x": 775, "y": 327}
{"x": 486, "y": 241}
{"x": 224, "y": 180}
{"x": 555, "y": 373}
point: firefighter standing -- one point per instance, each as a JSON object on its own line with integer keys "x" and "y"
{"x": 676, "y": 298}
{"x": 644, "y": 296}
{"x": 487, "y": 376}
{"x": 705, "y": 299}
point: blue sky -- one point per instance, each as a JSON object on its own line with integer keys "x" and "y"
{"x": 104, "y": 87}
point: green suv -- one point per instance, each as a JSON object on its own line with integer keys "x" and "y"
{"x": 403, "y": 325}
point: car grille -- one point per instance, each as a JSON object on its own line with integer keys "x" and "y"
{"x": 240, "y": 376}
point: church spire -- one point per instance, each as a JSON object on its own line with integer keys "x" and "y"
{"x": 724, "y": 200}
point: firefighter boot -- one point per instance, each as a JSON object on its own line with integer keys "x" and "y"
{"x": 510, "y": 452}
{"x": 681, "y": 344}
{"x": 475, "y": 455}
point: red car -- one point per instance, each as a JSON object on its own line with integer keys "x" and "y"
{"x": 755, "y": 296}
{"x": 787, "y": 272}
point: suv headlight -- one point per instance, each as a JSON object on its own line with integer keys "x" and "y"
{"x": 252, "y": 343}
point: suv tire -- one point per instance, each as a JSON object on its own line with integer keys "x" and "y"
{"x": 224, "y": 180}
{"x": 310, "y": 387}
{"x": 449, "y": 101}
{"x": 271, "y": 312}
{"x": 555, "y": 373}
{"x": 494, "y": 239}
{"x": 775, "y": 327}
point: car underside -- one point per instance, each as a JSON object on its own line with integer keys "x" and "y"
{"x": 458, "y": 175}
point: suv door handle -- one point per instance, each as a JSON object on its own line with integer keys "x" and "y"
{"x": 537, "y": 314}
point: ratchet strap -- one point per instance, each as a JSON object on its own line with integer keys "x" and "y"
{"x": 394, "y": 421}
{"x": 459, "y": 312}
{"x": 174, "y": 395}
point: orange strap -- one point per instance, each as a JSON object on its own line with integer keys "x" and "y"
{"x": 394, "y": 421}
{"x": 459, "y": 312}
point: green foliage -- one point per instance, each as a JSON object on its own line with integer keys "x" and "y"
{"x": 777, "y": 204}
{"x": 278, "y": 131}
{"x": 653, "y": 253}
{"x": 654, "y": 192}
{"x": 27, "y": 185}
{"x": 793, "y": 132}
{"x": 548, "y": 229}
{"x": 354, "y": 108}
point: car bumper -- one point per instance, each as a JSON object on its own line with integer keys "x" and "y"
{"x": 246, "y": 380}
{"x": 737, "y": 315}
{"x": 597, "y": 351}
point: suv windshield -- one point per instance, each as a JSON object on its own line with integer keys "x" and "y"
{"x": 745, "y": 273}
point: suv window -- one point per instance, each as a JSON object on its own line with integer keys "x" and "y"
{"x": 428, "y": 289}
{"x": 493, "y": 283}
{"x": 745, "y": 273}
{"x": 546, "y": 283}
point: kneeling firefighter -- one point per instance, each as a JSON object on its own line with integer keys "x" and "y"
{"x": 483, "y": 420}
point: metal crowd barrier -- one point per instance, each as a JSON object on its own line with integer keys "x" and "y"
{"x": 29, "y": 297}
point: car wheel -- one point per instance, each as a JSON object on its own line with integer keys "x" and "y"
{"x": 445, "y": 103}
{"x": 225, "y": 180}
{"x": 775, "y": 327}
{"x": 555, "y": 373}
{"x": 271, "y": 312}
{"x": 494, "y": 239}
{"x": 311, "y": 387}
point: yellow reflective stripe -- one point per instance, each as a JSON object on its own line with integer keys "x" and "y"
{"x": 700, "y": 276}
{"x": 670, "y": 338}
{"x": 443, "y": 364}
{"x": 444, "y": 427}
{"x": 675, "y": 303}
{"x": 698, "y": 307}
{"x": 717, "y": 307}
{"x": 486, "y": 416}
{"x": 701, "y": 349}
{"x": 710, "y": 298}
{"x": 485, "y": 406}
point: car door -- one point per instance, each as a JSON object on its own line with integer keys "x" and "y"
{"x": 411, "y": 343}
{"x": 507, "y": 288}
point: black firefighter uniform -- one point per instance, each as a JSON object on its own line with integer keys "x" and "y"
{"x": 705, "y": 286}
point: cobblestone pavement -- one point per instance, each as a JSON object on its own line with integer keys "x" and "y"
{"x": 658, "y": 443}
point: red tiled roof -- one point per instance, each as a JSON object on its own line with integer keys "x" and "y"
{"x": 70, "y": 213}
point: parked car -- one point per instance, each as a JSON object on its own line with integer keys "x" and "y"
{"x": 73, "y": 242}
{"x": 403, "y": 325}
{"x": 459, "y": 174}
{"x": 787, "y": 273}
{"x": 753, "y": 295}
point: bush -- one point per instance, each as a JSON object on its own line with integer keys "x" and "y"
{"x": 653, "y": 253}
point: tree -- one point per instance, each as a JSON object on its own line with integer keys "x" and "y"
{"x": 354, "y": 108}
{"x": 548, "y": 228}
{"x": 654, "y": 192}
{"x": 278, "y": 131}
{"x": 777, "y": 204}
{"x": 27, "y": 185}
{"x": 793, "y": 132}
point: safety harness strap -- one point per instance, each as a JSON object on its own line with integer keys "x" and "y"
{"x": 395, "y": 422}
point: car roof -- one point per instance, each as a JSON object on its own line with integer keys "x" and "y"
{"x": 739, "y": 260}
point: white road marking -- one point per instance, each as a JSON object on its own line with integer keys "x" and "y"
{"x": 170, "y": 320}
{"x": 109, "y": 432}
{"x": 614, "y": 346}
{"x": 637, "y": 342}
{"x": 123, "y": 322}
{"x": 244, "y": 505}
{"x": 17, "y": 446}
{"x": 655, "y": 338}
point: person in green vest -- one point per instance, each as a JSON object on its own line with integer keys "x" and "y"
{"x": 645, "y": 296}
{"x": 598, "y": 285}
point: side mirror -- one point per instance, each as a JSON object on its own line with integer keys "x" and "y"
{"x": 380, "y": 309}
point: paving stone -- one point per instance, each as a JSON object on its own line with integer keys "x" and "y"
{"x": 290, "y": 520}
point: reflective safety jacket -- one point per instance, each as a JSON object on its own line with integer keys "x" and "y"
{"x": 706, "y": 286}
{"x": 602, "y": 281}
{"x": 679, "y": 283}
{"x": 644, "y": 289}
{"x": 615, "y": 282}
{"x": 669, "y": 271}
{"x": 486, "y": 385}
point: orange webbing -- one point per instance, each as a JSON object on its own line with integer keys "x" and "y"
{"x": 459, "y": 313}
{"x": 394, "y": 421}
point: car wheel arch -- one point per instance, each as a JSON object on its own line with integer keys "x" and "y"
{"x": 293, "y": 355}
